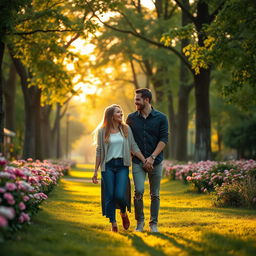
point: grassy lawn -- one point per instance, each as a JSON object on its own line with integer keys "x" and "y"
{"x": 70, "y": 223}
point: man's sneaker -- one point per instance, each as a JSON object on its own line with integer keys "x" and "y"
{"x": 140, "y": 226}
{"x": 153, "y": 228}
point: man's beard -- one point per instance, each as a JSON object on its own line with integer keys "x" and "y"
{"x": 140, "y": 107}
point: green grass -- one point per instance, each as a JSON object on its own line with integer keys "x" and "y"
{"x": 70, "y": 223}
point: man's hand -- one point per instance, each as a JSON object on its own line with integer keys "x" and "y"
{"x": 95, "y": 178}
{"x": 148, "y": 165}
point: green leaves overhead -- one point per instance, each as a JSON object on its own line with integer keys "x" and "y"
{"x": 40, "y": 33}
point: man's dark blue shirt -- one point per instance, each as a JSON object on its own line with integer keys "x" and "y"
{"x": 148, "y": 132}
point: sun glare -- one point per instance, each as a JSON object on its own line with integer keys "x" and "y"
{"x": 84, "y": 89}
{"x": 108, "y": 70}
{"x": 70, "y": 66}
{"x": 82, "y": 46}
{"x": 149, "y": 4}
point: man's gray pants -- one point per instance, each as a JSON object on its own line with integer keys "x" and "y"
{"x": 139, "y": 176}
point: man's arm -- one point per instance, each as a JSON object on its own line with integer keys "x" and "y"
{"x": 160, "y": 146}
{"x": 150, "y": 160}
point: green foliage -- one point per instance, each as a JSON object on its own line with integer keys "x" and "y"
{"x": 40, "y": 35}
{"x": 228, "y": 43}
{"x": 8, "y": 14}
{"x": 242, "y": 137}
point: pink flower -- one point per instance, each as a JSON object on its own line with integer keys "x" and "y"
{"x": 2, "y": 190}
{"x": 3, "y": 161}
{"x": 24, "y": 217}
{"x": 22, "y": 206}
{"x": 8, "y": 196}
{"x": 7, "y": 212}
{"x": 11, "y": 202}
{"x": 40, "y": 196}
{"x": 10, "y": 186}
{"x": 3, "y": 221}
{"x": 25, "y": 198}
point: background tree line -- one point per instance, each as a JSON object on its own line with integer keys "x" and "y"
{"x": 198, "y": 58}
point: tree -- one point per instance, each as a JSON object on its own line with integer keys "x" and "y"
{"x": 8, "y": 11}
{"x": 146, "y": 54}
{"x": 38, "y": 39}
{"x": 230, "y": 45}
{"x": 242, "y": 137}
{"x": 202, "y": 17}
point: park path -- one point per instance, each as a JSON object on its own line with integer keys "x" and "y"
{"x": 70, "y": 223}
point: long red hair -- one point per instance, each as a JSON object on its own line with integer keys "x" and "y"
{"x": 107, "y": 122}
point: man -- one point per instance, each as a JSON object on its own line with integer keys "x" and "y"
{"x": 150, "y": 131}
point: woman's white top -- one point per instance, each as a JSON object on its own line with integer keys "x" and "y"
{"x": 115, "y": 146}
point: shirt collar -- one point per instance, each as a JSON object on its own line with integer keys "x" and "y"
{"x": 153, "y": 112}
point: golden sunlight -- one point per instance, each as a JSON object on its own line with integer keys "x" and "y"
{"x": 109, "y": 70}
{"x": 149, "y": 4}
{"x": 82, "y": 46}
{"x": 84, "y": 89}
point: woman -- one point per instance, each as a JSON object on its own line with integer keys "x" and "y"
{"x": 115, "y": 143}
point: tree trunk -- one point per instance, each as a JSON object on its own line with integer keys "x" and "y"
{"x": 183, "y": 98}
{"x": 47, "y": 146}
{"x": 32, "y": 142}
{"x": 203, "y": 120}
{"x": 57, "y": 132}
{"x": 182, "y": 121}
{"x": 202, "y": 87}
{"x": 2, "y": 46}
{"x": 172, "y": 128}
{"x": 10, "y": 93}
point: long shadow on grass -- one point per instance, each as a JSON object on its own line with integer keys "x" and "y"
{"x": 211, "y": 244}
{"x": 141, "y": 246}
{"x": 51, "y": 236}
{"x": 190, "y": 248}
{"x": 228, "y": 211}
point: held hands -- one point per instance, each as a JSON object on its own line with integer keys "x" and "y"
{"x": 148, "y": 164}
{"x": 95, "y": 178}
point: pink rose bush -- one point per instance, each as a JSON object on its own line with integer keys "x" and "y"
{"x": 23, "y": 186}
{"x": 236, "y": 178}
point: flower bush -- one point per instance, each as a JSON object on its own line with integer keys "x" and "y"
{"x": 234, "y": 181}
{"x": 23, "y": 186}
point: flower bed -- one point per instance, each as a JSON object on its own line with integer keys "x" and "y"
{"x": 231, "y": 181}
{"x": 23, "y": 186}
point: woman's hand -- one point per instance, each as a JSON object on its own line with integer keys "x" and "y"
{"x": 95, "y": 178}
{"x": 148, "y": 164}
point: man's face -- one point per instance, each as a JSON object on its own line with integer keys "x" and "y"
{"x": 139, "y": 102}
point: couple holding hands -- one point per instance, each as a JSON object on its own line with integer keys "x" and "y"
{"x": 143, "y": 138}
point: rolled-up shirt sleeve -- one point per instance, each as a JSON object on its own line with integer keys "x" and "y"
{"x": 164, "y": 130}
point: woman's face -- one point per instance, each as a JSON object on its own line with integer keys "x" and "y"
{"x": 118, "y": 115}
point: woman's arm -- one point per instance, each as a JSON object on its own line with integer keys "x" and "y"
{"x": 97, "y": 160}
{"x": 140, "y": 156}
{"x": 95, "y": 175}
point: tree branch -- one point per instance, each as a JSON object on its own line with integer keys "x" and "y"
{"x": 135, "y": 81}
{"x": 215, "y": 13}
{"x": 183, "y": 8}
{"x": 172, "y": 12}
{"x": 46, "y": 31}
{"x": 136, "y": 34}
